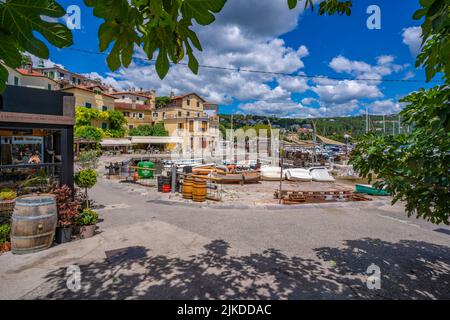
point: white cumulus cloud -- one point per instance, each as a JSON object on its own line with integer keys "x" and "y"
{"x": 412, "y": 38}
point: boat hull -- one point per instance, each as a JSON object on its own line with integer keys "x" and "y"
{"x": 271, "y": 173}
{"x": 321, "y": 175}
{"x": 238, "y": 178}
{"x": 301, "y": 175}
{"x": 368, "y": 189}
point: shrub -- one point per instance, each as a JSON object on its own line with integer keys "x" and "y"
{"x": 38, "y": 179}
{"x": 87, "y": 217}
{"x": 88, "y": 159}
{"x": 5, "y": 230}
{"x": 155, "y": 130}
{"x": 67, "y": 207}
{"x": 117, "y": 120}
{"x": 7, "y": 194}
{"x": 86, "y": 179}
{"x": 89, "y": 132}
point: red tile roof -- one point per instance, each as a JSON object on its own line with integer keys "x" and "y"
{"x": 86, "y": 89}
{"x": 26, "y": 72}
{"x": 130, "y": 93}
{"x": 185, "y": 95}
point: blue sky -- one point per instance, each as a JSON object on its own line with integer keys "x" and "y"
{"x": 265, "y": 35}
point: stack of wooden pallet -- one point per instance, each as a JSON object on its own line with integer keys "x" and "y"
{"x": 296, "y": 197}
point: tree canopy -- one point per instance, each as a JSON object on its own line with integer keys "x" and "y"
{"x": 156, "y": 130}
{"x": 84, "y": 118}
{"x": 415, "y": 167}
{"x": 162, "y": 26}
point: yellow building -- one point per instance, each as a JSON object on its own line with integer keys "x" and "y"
{"x": 185, "y": 117}
{"x": 92, "y": 97}
{"x": 136, "y": 114}
{"x": 137, "y": 107}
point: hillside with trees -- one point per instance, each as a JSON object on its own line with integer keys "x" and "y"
{"x": 334, "y": 128}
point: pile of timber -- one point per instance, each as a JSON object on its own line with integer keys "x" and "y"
{"x": 297, "y": 197}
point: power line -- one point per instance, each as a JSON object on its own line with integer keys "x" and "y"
{"x": 270, "y": 72}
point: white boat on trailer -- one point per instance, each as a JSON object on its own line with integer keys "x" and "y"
{"x": 298, "y": 175}
{"x": 271, "y": 173}
{"x": 321, "y": 174}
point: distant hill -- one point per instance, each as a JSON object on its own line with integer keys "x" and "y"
{"x": 334, "y": 128}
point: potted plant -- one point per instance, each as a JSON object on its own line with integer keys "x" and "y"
{"x": 37, "y": 183}
{"x": 67, "y": 213}
{"x": 86, "y": 179}
{"x": 5, "y": 244}
{"x": 87, "y": 221}
{"x": 7, "y": 203}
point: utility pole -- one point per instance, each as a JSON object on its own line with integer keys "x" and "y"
{"x": 270, "y": 134}
{"x": 281, "y": 171}
{"x": 315, "y": 141}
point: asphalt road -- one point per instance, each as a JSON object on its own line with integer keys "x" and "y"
{"x": 148, "y": 250}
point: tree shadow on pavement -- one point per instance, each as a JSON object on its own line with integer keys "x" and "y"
{"x": 409, "y": 269}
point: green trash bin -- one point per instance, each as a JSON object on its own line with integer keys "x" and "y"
{"x": 145, "y": 174}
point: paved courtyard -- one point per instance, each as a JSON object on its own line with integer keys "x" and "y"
{"x": 149, "y": 250}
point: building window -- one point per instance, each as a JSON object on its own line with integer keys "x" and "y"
{"x": 104, "y": 125}
{"x": 164, "y": 115}
{"x": 155, "y": 115}
{"x": 180, "y": 126}
{"x": 61, "y": 75}
{"x": 79, "y": 81}
{"x": 49, "y": 86}
{"x": 123, "y": 97}
{"x": 52, "y": 74}
{"x": 137, "y": 98}
{"x": 130, "y": 126}
{"x": 126, "y": 114}
{"x": 141, "y": 116}
{"x": 188, "y": 114}
{"x": 104, "y": 108}
{"x": 179, "y": 114}
{"x": 74, "y": 80}
{"x": 198, "y": 114}
{"x": 198, "y": 104}
{"x": 188, "y": 102}
{"x": 16, "y": 81}
{"x": 88, "y": 105}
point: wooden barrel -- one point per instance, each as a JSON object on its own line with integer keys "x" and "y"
{"x": 33, "y": 223}
{"x": 187, "y": 188}
{"x": 199, "y": 190}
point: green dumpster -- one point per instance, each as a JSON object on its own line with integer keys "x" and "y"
{"x": 145, "y": 174}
